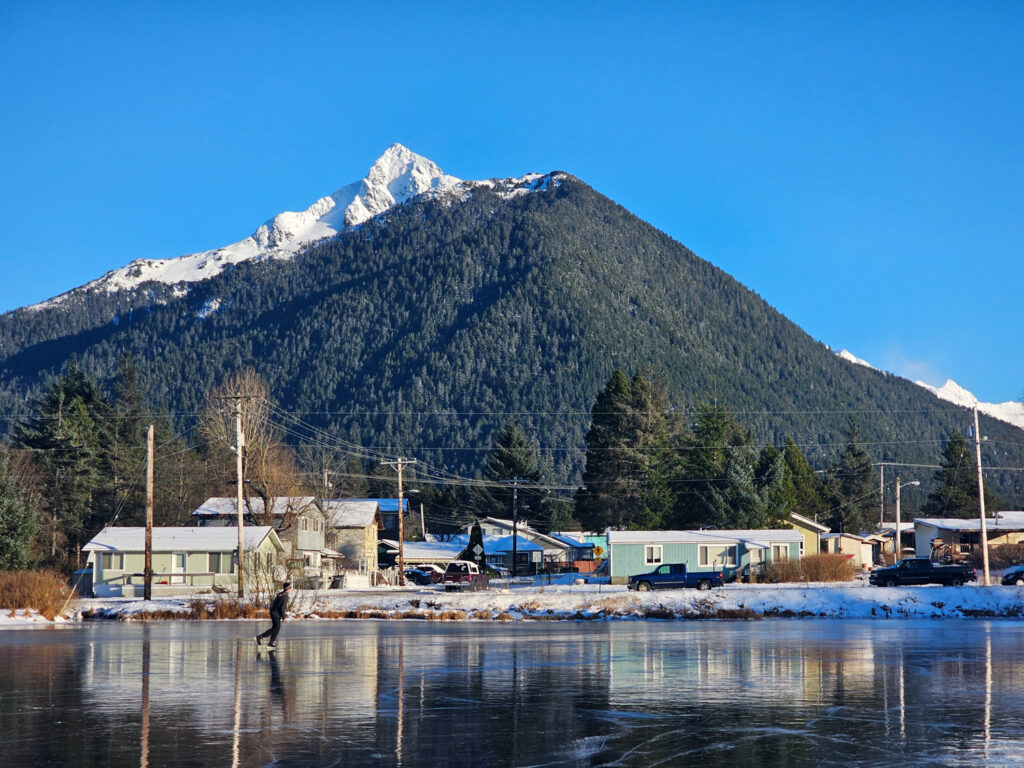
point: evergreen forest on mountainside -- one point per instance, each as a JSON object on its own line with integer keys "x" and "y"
{"x": 422, "y": 332}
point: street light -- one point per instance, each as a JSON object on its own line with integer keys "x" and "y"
{"x": 898, "y": 539}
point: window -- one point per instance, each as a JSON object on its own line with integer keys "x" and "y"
{"x": 112, "y": 561}
{"x": 652, "y": 554}
{"x": 220, "y": 562}
{"x": 780, "y": 551}
{"x": 711, "y": 555}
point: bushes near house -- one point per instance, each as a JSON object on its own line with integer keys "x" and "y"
{"x": 43, "y": 591}
{"x": 782, "y": 570}
{"x": 999, "y": 557}
{"x": 827, "y": 568}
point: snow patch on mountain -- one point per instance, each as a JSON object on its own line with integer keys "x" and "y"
{"x": 851, "y": 358}
{"x": 397, "y": 176}
{"x": 1011, "y": 412}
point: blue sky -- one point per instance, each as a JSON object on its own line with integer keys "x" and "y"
{"x": 857, "y": 166}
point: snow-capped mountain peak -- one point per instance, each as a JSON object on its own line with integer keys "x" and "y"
{"x": 1011, "y": 412}
{"x": 396, "y": 177}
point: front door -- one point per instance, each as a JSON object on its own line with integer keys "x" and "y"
{"x": 178, "y": 568}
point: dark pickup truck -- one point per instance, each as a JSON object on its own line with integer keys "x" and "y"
{"x": 675, "y": 576}
{"x": 921, "y": 570}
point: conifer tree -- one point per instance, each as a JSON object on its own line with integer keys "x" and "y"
{"x": 809, "y": 491}
{"x": 20, "y": 505}
{"x": 855, "y": 493}
{"x": 957, "y": 479}
{"x": 510, "y": 457}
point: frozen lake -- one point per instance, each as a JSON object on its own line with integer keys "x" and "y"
{"x": 354, "y": 693}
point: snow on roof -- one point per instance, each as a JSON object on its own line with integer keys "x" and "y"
{"x": 206, "y": 539}
{"x": 570, "y": 539}
{"x": 346, "y": 513}
{"x": 279, "y": 505}
{"x": 386, "y": 505}
{"x": 1013, "y": 521}
{"x": 779, "y": 536}
{"x": 426, "y": 550}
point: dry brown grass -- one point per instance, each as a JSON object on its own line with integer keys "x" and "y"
{"x": 827, "y": 568}
{"x": 44, "y": 591}
{"x": 1000, "y": 557}
{"x": 782, "y": 570}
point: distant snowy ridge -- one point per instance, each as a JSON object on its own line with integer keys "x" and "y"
{"x": 1010, "y": 412}
{"x": 397, "y": 176}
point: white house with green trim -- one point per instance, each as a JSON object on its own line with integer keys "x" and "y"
{"x": 635, "y": 552}
{"x": 185, "y": 560}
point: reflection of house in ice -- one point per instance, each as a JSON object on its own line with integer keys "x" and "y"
{"x": 707, "y": 661}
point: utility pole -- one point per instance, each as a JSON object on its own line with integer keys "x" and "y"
{"x": 399, "y": 464}
{"x": 881, "y": 495}
{"x": 239, "y": 469}
{"x": 147, "y": 589}
{"x": 981, "y": 497}
{"x": 515, "y": 481}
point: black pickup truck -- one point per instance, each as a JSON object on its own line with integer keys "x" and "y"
{"x": 921, "y": 570}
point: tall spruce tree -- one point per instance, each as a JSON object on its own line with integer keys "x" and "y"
{"x": 510, "y": 458}
{"x": 957, "y": 479}
{"x": 810, "y": 496}
{"x": 855, "y": 493}
{"x": 68, "y": 431}
{"x": 609, "y": 494}
{"x": 20, "y": 507}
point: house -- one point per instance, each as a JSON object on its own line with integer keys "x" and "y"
{"x": 497, "y": 552}
{"x": 353, "y": 530}
{"x": 185, "y": 560}
{"x": 811, "y": 530}
{"x": 388, "y": 513}
{"x": 298, "y": 522}
{"x": 957, "y": 539}
{"x": 863, "y": 551}
{"x": 635, "y": 552}
{"x": 559, "y": 550}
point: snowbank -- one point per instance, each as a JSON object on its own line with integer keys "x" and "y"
{"x": 604, "y": 602}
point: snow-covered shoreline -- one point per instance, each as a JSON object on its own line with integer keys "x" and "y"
{"x": 575, "y": 602}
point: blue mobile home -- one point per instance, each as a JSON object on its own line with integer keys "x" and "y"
{"x": 634, "y": 552}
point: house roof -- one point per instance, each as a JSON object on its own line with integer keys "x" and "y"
{"x": 571, "y": 540}
{"x": 228, "y": 505}
{"x": 350, "y": 513}
{"x": 862, "y": 539}
{"x": 1003, "y": 521}
{"x": 426, "y": 551}
{"x": 524, "y": 527}
{"x": 756, "y": 537}
{"x": 386, "y": 505}
{"x": 204, "y": 539}
{"x": 806, "y": 521}
{"x": 446, "y": 550}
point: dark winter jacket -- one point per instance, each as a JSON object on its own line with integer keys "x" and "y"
{"x": 280, "y": 605}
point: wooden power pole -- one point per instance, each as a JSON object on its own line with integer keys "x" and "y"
{"x": 147, "y": 590}
{"x": 399, "y": 464}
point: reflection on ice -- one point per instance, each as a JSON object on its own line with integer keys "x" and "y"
{"x": 794, "y": 693}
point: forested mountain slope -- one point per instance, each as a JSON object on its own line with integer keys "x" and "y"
{"x": 423, "y": 329}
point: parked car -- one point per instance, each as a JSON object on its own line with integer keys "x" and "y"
{"x": 463, "y": 576}
{"x": 1014, "y": 576}
{"x": 675, "y": 576}
{"x": 418, "y": 577}
{"x": 921, "y": 570}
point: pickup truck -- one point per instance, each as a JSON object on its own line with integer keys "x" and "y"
{"x": 675, "y": 576}
{"x": 921, "y": 570}
{"x": 463, "y": 576}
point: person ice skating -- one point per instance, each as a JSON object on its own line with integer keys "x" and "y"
{"x": 277, "y": 611}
